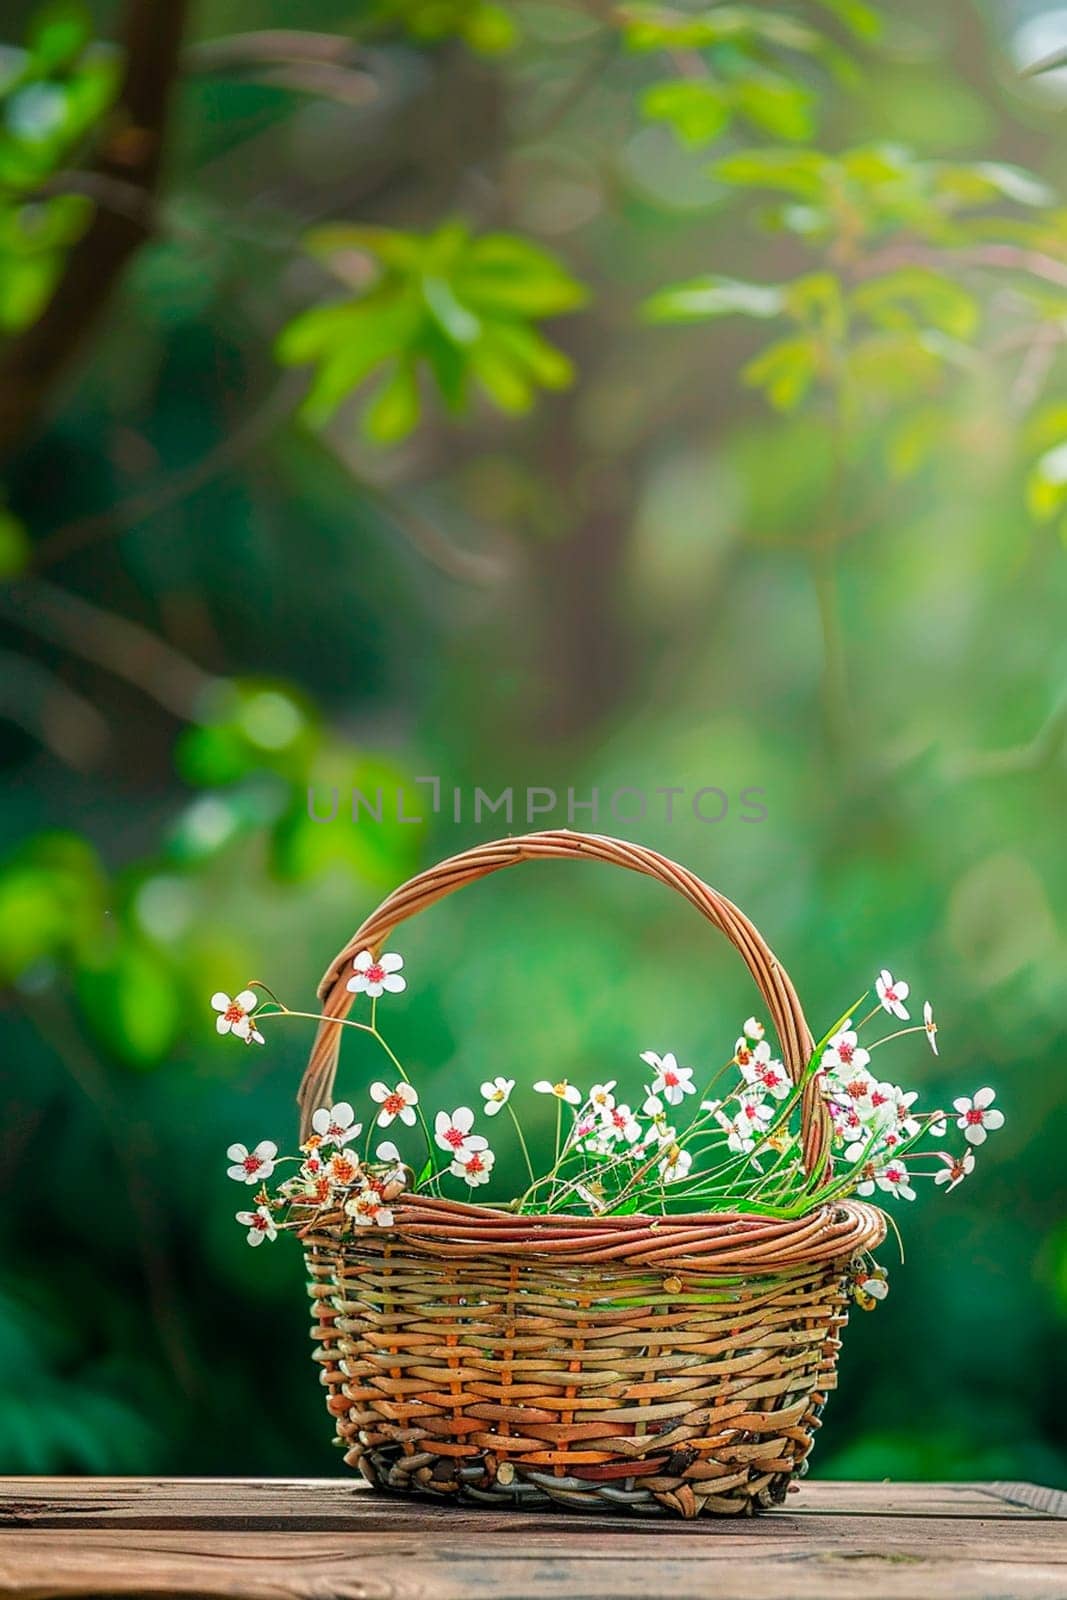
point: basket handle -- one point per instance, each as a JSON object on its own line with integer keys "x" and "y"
{"x": 773, "y": 982}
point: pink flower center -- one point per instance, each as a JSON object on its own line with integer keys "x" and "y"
{"x": 845, "y": 1052}
{"x": 671, "y": 1079}
{"x": 393, "y": 1103}
{"x": 878, "y": 1099}
{"x": 750, "y": 1113}
{"x": 618, "y": 1119}
{"x": 234, "y": 1012}
{"x": 260, "y": 1223}
{"x": 475, "y": 1164}
{"x": 894, "y": 1174}
{"x": 856, "y": 1089}
{"x": 251, "y": 1164}
{"x": 374, "y": 973}
{"x": 974, "y": 1117}
{"x": 770, "y": 1078}
{"x": 454, "y": 1137}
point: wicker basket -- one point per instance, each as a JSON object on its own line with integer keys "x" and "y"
{"x": 641, "y": 1364}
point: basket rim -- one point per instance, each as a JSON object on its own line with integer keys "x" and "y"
{"x": 733, "y": 1241}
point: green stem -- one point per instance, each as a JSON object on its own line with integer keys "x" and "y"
{"x": 522, "y": 1142}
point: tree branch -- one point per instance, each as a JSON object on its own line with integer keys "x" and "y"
{"x": 35, "y": 361}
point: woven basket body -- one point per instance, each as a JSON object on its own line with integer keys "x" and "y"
{"x": 654, "y": 1365}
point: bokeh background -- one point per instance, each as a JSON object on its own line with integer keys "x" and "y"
{"x": 353, "y": 431}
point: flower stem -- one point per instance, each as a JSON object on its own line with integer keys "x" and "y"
{"x": 522, "y": 1142}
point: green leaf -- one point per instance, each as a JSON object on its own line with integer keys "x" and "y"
{"x": 784, "y": 371}
{"x": 547, "y": 365}
{"x": 461, "y": 304}
{"x": 490, "y": 31}
{"x": 714, "y": 296}
{"x": 917, "y": 295}
{"x": 352, "y": 341}
{"x": 453, "y": 318}
{"x": 1015, "y": 183}
{"x": 501, "y": 377}
{"x": 394, "y": 411}
{"x": 776, "y": 106}
{"x": 816, "y": 300}
{"x": 132, "y": 1003}
{"x": 799, "y": 172}
{"x": 697, "y": 111}
{"x": 51, "y": 902}
{"x": 1046, "y": 487}
{"x": 507, "y": 275}
{"x": 58, "y": 33}
{"x": 861, "y": 20}
{"x": 15, "y": 547}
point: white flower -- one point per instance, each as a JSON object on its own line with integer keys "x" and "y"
{"x": 748, "y": 1124}
{"x": 675, "y": 1164}
{"x": 601, "y": 1097}
{"x": 343, "y": 1168}
{"x": 562, "y": 1090}
{"x": 387, "y": 1151}
{"x": 892, "y": 994}
{"x": 893, "y": 1178}
{"x": 496, "y": 1094}
{"x": 975, "y": 1119}
{"x": 930, "y": 1025}
{"x": 868, "y": 1288}
{"x": 753, "y": 1030}
{"x": 376, "y": 976}
{"x": 623, "y": 1124}
{"x": 453, "y": 1133}
{"x": 251, "y": 1166}
{"x": 654, "y": 1107}
{"x": 902, "y": 1103}
{"x": 236, "y": 1015}
{"x": 592, "y": 1134}
{"x": 260, "y": 1224}
{"x": 336, "y": 1124}
{"x": 474, "y": 1166}
{"x": 398, "y": 1102}
{"x": 865, "y": 1177}
{"x": 854, "y": 1088}
{"x": 672, "y": 1081}
{"x": 761, "y": 1071}
{"x": 955, "y": 1170}
{"x": 367, "y": 1209}
{"x": 844, "y": 1053}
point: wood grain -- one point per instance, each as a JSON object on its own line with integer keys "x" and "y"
{"x": 331, "y": 1540}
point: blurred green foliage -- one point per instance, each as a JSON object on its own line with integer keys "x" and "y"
{"x": 53, "y": 94}
{"x": 462, "y": 307}
{"x": 226, "y": 587}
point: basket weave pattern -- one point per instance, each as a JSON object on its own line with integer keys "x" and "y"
{"x": 654, "y": 1365}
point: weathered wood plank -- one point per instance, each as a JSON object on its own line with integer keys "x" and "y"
{"x": 1035, "y": 1496}
{"x": 332, "y": 1539}
{"x": 345, "y": 1503}
{"x": 857, "y": 1562}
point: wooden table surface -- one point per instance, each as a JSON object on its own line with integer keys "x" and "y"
{"x": 332, "y": 1539}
